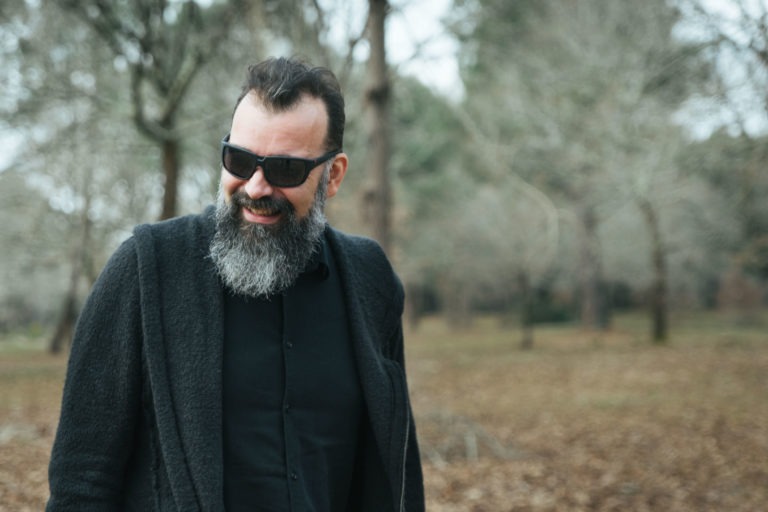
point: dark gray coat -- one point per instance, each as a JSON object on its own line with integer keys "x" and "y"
{"x": 141, "y": 418}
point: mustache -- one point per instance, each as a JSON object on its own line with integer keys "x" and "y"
{"x": 276, "y": 205}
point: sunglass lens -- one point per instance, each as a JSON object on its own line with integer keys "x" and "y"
{"x": 239, "y": 163}
{"x": 285, "y": 172}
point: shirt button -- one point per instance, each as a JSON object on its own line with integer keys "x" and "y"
{"x": 289, "y": 344}
{"x": 287, "y": 407}
{"x": 294, "y": 476}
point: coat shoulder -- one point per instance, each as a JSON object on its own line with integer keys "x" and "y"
{"x": 363, "y": 257}
{"x": 187, "y": 229}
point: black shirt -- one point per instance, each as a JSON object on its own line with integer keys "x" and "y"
{"x": 292, "y": 401}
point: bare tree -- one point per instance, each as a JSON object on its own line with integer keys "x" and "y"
{"x": 737, "y": 33}
{"x": 515, "y": 245}
{"x": 573, "y": 97}
{"x": 378, "y": 92}
{"x": 62, "y": 334}
{"x": 737, "y": 29}
{"x": 164, "y": 45}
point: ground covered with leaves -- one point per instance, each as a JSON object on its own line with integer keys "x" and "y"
{"x": 583, "y": 422}
{"x": 591, "y": 421}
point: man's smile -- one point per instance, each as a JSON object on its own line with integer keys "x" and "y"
{"x": 261, "y": 216}
{"x": 267, "y": 210}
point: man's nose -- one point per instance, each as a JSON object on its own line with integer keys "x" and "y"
{"x": 258, "y": 186}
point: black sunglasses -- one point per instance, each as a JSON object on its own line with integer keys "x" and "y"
{"x": 279, "y": 171}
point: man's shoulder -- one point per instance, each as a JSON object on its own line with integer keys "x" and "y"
{"x": 178, "y": 227}
{"x": 184, "y": 233}
{"x": 175, "y": 244}
{"x": 361, "y": 256}
{"x": 367, "y": 272}
{"x": 354, "y": 243}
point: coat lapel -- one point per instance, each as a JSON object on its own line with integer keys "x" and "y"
{"x": 183, "y": 338}
{"x": 373, "y": 320}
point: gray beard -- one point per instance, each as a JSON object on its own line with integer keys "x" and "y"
{"x": 263, "y": 260}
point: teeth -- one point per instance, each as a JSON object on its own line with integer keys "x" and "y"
{"x": 262, "y": 213}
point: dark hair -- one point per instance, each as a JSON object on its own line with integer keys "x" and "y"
{"x": 280, "y": 84}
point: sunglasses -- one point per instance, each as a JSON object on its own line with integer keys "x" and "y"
{"x": 279, "y": 171}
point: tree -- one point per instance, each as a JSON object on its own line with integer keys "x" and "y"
{"x": 570, "y": 93}
{"x": 59, "y": 111}
{"x": 164, "y": 45}
{"x": 429, "y": 182}
{"x": 528, "y": 92}
{"x": 377, "y": 104}
{"x": 68, "y": 102}
{"x": 737, "y": 34}
{"x": 734, "y": 165}
{"x": 737, "y": 31}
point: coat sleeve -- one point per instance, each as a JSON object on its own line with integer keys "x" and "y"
{"x": 102, "y": 393}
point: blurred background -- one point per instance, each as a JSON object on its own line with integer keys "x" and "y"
{"x": 562, "y": 185}
{"x": 555, "y": 160}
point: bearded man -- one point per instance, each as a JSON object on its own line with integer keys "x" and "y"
{"x": 249, "y": 358}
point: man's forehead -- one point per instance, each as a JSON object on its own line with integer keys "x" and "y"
{"x": 303, "y": 125}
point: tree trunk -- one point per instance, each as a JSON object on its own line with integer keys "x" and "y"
{"x": 414, "y": 305}
{"x": 62, "y": 335}
{"x": 658, "y": 292}
{"x": 526, "y": 311}
{"x": 456, "y": 305}
{"x": 378, "y": 197}
{"x": 591, "y": 273}
{"x": 171, "y": 165}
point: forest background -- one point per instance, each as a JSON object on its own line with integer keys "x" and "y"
{"x": 594, "y": 156}
{"x": 593, "y": 159}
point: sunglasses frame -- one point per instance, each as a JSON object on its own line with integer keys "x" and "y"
{"x": 266, "y": 162}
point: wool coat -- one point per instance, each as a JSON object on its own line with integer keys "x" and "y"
{"x": 141, "y": 420}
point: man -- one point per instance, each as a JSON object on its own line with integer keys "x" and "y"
{"x": 250, "y": 357}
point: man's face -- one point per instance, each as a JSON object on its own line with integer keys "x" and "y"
{"x": 299, "y": 132}
{"x": 265, "y": 235}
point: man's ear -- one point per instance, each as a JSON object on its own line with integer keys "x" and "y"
{"x": 337, "y": 173}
